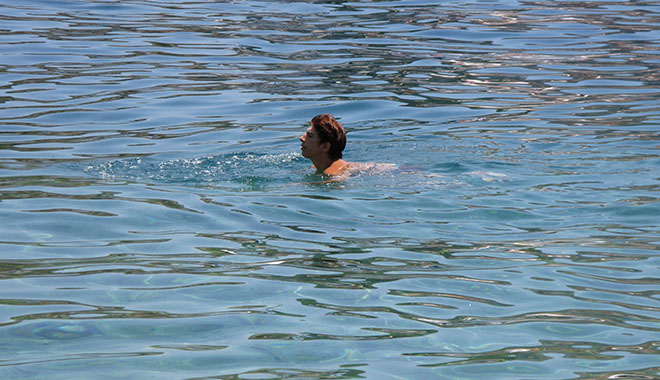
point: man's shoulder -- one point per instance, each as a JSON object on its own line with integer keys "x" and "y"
{"x": 338, "y": 167}
{"x": 348, "y": 168}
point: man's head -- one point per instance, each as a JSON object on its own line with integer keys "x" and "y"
{"x": 330, "y": 131}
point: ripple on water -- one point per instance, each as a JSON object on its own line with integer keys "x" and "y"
{"x": 158, "y": 219}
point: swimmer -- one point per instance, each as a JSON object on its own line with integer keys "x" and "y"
{"x": 323, "y": 144}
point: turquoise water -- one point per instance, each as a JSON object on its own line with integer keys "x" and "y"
{"x": 158, "y": 221}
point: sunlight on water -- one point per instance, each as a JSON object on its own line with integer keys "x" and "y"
{"x": 159, "y": 220}
{"x": 238, "y": 167}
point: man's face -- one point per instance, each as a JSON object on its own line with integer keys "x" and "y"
{"x": 311, "y": 146}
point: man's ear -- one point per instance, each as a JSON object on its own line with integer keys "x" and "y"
{"x": 325, "y": 146}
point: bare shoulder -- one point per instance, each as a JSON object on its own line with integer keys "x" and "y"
{"x": 341, "y": 169}
{"x": 369, "y": 167}
{"x": 349, "y": 169}
{"x": 338, "y": 167}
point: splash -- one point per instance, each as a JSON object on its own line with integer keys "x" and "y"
{"x": 241, "y": 167}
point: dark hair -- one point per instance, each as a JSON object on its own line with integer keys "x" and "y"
{"x": 329, "y": 130}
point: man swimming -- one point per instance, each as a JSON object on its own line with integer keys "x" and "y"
{"x": 323, "y": 144}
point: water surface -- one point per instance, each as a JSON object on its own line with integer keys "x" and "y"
{"x": 159, "y": 221}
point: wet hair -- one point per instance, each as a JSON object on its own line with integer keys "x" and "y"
{"x": 330, "y": 130}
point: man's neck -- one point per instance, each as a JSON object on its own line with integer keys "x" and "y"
{"x": 336, "y": 167}
{"x": 322, "y": 164}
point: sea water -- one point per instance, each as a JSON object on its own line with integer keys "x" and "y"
{"x": 159, "y": 222}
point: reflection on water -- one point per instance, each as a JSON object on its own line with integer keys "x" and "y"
{"x": 158, "y": 220}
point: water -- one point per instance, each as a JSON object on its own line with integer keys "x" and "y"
{"x": 158, "y": 221}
